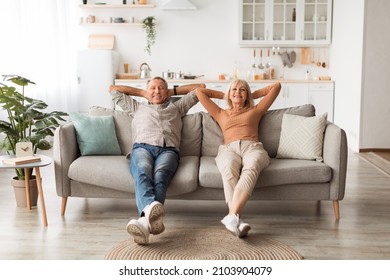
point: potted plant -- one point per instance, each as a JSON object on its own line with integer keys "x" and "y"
{"x": 27, "y": 121}
{"x": 149, "y": 26}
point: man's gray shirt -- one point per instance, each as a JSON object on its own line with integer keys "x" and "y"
{"x": 157, "y": 125}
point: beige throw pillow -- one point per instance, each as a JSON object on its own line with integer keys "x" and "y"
{"x": 302, "y": 137}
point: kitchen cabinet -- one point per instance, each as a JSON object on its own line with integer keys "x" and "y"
{"x": 285, "y": 23}
{"x": 292, "y": 94}
{"x": 321, "y": 95}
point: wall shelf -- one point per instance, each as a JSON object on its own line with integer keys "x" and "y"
{"x": 86, "y": 6}
{"x": 112, "y": 24}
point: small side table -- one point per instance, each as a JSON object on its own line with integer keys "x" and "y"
{"x": 36, "y": 165}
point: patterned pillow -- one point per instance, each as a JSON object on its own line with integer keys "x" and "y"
{"x": 302, "y": 137}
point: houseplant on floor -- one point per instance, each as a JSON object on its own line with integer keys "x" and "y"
{"x": 27, "y": 121}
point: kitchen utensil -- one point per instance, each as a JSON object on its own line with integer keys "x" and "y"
{"x": 101, "y": 41}
{"x": 168, "y": 75}
{"x": 305, "y": 56}
{"x": 191, "y": 77}
{"x": 313, "y": 61}
{"x": 261, "y": 65}
{"x": 268, "y": 65}
{"x": 286, "y": 59}
{"x": 128, "y": 76}
{"x": 254, "y": 59}
{"x": 318, "y": 60}
{"x": 293, "y": 56}
{"x": 179, "y": 75}
{"x": 324, "y": 63}
{"x": 145, "y": 71}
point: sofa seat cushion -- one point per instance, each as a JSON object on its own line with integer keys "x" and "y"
{"x": 113, "y": 172}
{"x": 279, "y": 172}
{"x": 105, "y": 171}
{"x": 186, "y": 176}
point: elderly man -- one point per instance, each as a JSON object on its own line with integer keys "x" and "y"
{"x": 154, "y": 158}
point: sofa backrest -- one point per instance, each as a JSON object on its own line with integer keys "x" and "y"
{"x": 269, "y": 129}
{"x": 201, "y": 135}
{"x": 191, "y": 135}
{"x": 122, "y": 121}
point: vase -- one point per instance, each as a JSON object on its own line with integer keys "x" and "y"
{"x": 85, "y": 2}
{"x": 20, "y": 191}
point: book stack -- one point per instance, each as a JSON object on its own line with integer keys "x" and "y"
{"x": 21, "y": 160}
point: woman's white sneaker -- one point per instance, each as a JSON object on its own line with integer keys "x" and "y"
{"x": 231, "y": 222}
{"x": 243, "y": 228}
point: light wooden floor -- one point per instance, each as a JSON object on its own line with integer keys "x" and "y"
{"x": 92, "y": 226}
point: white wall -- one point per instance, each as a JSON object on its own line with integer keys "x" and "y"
{"x": 346, "y": 70}
{"x": 375, "y": 112}
{"x": 203, "y": 42}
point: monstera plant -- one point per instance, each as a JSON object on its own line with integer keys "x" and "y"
{"x": 25, "y": 118}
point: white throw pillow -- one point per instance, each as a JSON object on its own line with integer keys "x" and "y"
{"x": 302, "y": 137}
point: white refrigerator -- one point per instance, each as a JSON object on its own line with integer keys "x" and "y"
{"x": 96, "y": 70}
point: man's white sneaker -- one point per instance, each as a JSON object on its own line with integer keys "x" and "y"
{"x": 231, "y": 223}
{"x": 139, "y": 229}
{"x": 243, "y": 229}
{"x": 154, "y": 214}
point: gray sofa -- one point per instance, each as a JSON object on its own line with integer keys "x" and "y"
{"x": 197, "y": 177}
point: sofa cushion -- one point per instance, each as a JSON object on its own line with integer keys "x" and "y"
{"x": 269, "y": 129}
{"x": 191, "y": 135}
{"x": 105, "y": 171}
{"x": 122, "y": 122}
{"x": 279, "y": 172}
{"x": 186, "y": 176}
{"x": 302, "y": 137}
{"x": 113, "y": 172}
{"x": 271, "y": 124}
{"x": 96, "y": 135}
{"x": 212, "y": 136}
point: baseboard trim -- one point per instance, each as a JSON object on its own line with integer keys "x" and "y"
{"x": 374, "y": 150}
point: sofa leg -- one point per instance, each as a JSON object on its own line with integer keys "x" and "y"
{"x": 336, "y": 209}
{"x": 63, "y": 205}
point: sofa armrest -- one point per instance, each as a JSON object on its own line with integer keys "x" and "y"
{"x": 65, "y": 151}
{"x": 335, "y": 154}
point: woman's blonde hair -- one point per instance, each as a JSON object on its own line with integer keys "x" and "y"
{"x": 249, "y": 100}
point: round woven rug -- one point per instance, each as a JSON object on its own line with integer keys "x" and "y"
{"x": 203, "y": 244}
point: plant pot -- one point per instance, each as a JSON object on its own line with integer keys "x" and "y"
{"x": 20, "y": 191}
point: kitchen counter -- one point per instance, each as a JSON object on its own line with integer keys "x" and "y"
{"x": 320, "y": 93}
{"x": 206, "y": 80}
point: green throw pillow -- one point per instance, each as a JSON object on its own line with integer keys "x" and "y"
{"x": 96, "y": 135}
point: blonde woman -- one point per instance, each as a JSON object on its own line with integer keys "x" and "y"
{"x": 242, "y": 157}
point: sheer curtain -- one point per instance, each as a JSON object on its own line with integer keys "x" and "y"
{"x": 38, "y": 41}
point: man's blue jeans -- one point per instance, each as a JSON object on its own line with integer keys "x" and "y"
{"x": 152, "y": 168}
